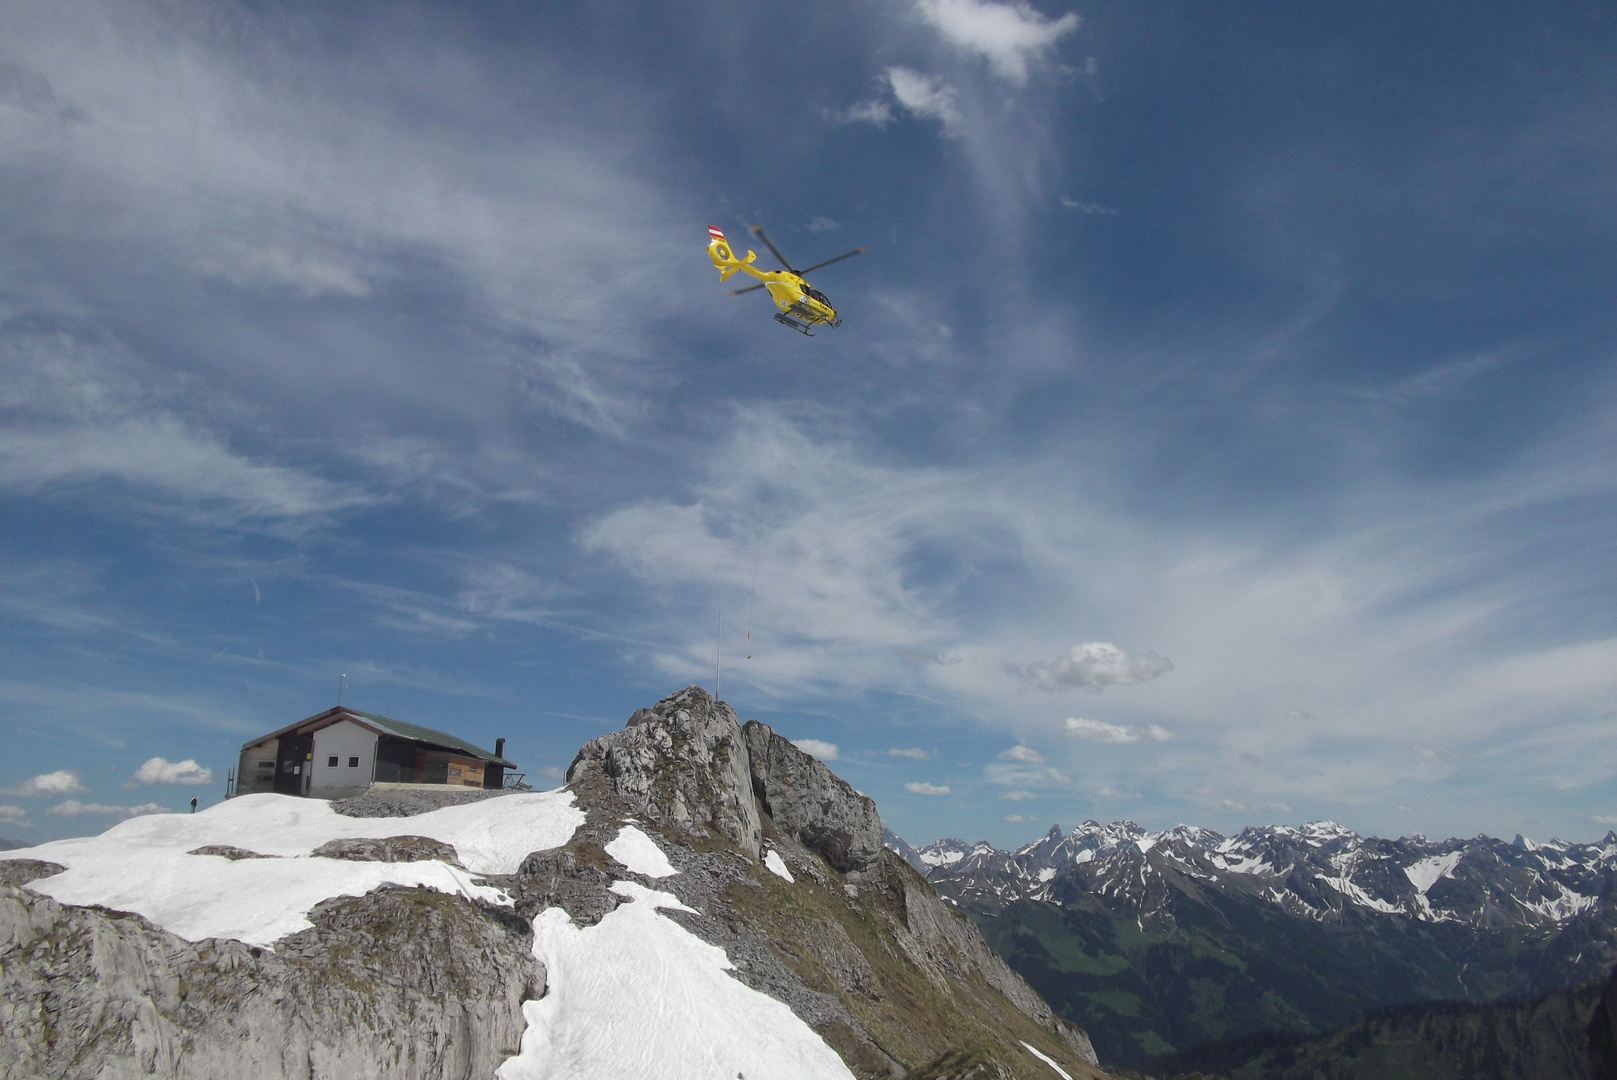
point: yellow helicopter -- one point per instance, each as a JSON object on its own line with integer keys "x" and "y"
{"x": 802, "y": 307}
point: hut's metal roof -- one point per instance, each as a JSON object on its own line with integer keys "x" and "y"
{"x": 388, "y": 726}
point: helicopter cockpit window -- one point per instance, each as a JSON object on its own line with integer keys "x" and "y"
{"x": 817, "y": 295}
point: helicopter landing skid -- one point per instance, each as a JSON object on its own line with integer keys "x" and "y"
{"x": 786, "y": 320}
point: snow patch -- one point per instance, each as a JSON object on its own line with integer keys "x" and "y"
{"x": 1047, "y": 873}
{"x": 1046, "y": 1059}
{"x": 777, "y": 865}
{"x": 1428, "y": 871}
{"x": 1563, "y": 907}
{"x": 639, "y": 995}
{"x": 1359, "y": 896}
{"x": 142, "y": 865}
{"x": 640, "y": 853}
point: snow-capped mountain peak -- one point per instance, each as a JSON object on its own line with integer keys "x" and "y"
{"x": 1319, "y": 869}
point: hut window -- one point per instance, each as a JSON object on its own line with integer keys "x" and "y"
{"x": 331, "y": 762}
{"x": 353, "y": 763}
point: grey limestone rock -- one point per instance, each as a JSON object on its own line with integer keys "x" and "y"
{"x": 408, "y": 802}
{"x": 389, "y": 849}
{"x": 22, "y": 871}
{"x": 682, "y": 763}
{"x": 811, "y": 804}
{"x": 403, "y": 984}
{"x": 229, "y": 851}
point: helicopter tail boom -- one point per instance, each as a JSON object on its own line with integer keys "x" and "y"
{"x": 724, "y": 260}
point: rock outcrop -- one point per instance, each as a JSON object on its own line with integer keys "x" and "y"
{"x": 811, "y": 804}
{"x": 859, "y": 945}
{"x": 682, "y": 762}
{"x": 400, "y": 984}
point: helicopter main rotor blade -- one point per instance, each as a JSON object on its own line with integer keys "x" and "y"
{"x": 828, "y": 262}
{"x": 749, "y": 288}
{"x": 758, "y": 231}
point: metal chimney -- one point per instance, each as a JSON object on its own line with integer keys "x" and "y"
{"x": 499, "y": 748}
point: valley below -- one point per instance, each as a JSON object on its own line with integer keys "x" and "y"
{"x": 1183, "y": 949}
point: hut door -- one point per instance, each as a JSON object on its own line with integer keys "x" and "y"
{"x": 291, "y": 762}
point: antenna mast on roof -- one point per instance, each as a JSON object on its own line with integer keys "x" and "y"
{"x": 340, "y": 679}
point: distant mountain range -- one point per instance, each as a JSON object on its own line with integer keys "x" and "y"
{"x": 1158, "y": 942}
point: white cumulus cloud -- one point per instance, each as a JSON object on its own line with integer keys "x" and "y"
{"x": 160, "y": 771}
{"x": 12, "y": 815}
{"x": 1093, "y": 666}
{"x": 1022, "y": 753}
{"x": 61, "y": 782}
{"x": 1019, "y": 795}
{"x": 825, "y": 751}
{"x": 1011, "y": 37}
{"x": 1101, "y": 731}
{"x": 926, "y": 789}
{"x": 914, "y": 753}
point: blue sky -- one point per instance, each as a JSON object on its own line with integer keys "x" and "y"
{"x": 1223, "y": 428}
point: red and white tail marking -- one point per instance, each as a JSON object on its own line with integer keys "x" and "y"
{"x": 714, "y": 232}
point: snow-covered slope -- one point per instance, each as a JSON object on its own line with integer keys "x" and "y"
{"x": 636, "y": 973}
{"x": 146, "y": 865}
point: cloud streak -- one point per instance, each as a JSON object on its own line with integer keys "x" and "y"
{"x": 1116, "y": 734}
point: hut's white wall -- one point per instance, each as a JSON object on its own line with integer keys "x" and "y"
{"x": 348, "y": 743}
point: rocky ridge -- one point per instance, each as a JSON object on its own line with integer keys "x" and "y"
{"x": 780, "y": 862}
{"x": 858, "y": 945}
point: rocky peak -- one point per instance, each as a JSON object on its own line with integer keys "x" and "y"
{"x": 687, "y": 762}
{"x": 811, "y": 804}
{"x": 682, "y": 762}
